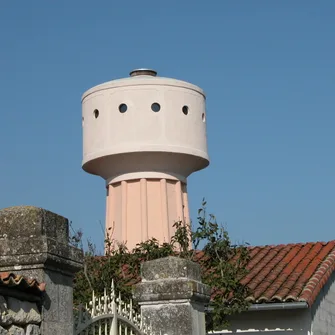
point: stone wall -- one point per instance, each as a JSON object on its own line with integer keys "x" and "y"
{"x": 34, "y": 243}
{"x": 172, "y": 296}
{"x": 19, "y": 317}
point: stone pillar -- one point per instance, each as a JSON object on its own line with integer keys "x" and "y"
{"x": 35, "y": 243}
{"x": 172, "y": 297}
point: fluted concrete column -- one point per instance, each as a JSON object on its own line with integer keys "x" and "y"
{"x": 140, "y": 209}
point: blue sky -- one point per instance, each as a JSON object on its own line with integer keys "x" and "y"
{"x": 268, "y": 68}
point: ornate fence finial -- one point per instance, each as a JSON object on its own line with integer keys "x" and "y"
{"x": 110, "y": 315}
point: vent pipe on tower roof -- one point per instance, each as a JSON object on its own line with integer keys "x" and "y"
{"x": 143, "y": 72}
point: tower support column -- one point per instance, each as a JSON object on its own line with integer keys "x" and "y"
{"x": 140, "y": 209}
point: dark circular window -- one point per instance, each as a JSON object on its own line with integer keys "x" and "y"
{"x": 185, "y": 110}
{"x": 123, "y": 108}
{"x": 155, "y": 107}
{"x": 96, "y": 113}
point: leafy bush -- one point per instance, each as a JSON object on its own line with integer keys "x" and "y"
{"x": 223, "y": 266}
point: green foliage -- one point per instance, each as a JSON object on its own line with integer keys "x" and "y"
{"x": 223, "y": 266}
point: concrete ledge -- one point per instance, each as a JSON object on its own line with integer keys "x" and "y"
{"x": 170, "y": 267}
{"x": 28, "y": 221}
{"x": 30, "y": 235}
{"x": 171, "y": 289}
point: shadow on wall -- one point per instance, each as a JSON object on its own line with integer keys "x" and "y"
{"x": 279, "y": 332}
{"x": 323, "y": 308}
{"x": 280, "y": 322}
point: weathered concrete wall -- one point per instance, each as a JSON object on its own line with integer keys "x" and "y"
{"x": 278, "y": 322}
{"x": 35, "y": 243}
{"x": 323, "y": 311}
{"x": 172, "y": 296}
{"x": 19, "y": 317}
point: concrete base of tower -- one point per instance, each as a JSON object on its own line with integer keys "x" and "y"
{"x": 140, "y": 209}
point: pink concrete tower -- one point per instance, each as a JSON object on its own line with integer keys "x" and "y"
{"x": 144, "y": 135}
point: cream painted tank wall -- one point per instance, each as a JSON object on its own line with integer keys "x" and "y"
{"x": 144, "y": 135}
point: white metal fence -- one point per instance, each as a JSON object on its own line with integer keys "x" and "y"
{"x": 109, "y": 315}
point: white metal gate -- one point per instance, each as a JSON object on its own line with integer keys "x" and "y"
{"x": 109, "y": 315}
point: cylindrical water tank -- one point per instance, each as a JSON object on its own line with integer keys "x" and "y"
{"x": 144, "y": 125}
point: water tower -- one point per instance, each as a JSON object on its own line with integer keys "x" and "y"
{"x": 144, "y": 135}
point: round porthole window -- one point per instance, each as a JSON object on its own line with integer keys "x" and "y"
{"x": 96, "y": 113}
{"x": 155, "y": 107}
{"x": 185, "y": 110}
{"x": 123, "y": 108}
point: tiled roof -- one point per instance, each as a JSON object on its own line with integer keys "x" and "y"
{"x": 284, "y": 273}
{"x": 291, "y": 272}
{"x": 11, "y": 280}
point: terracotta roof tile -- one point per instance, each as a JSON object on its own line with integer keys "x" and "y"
{"x": 292, "y": 272}
{"x": 285, "y": 272}
{"x": 11, "y": 280}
